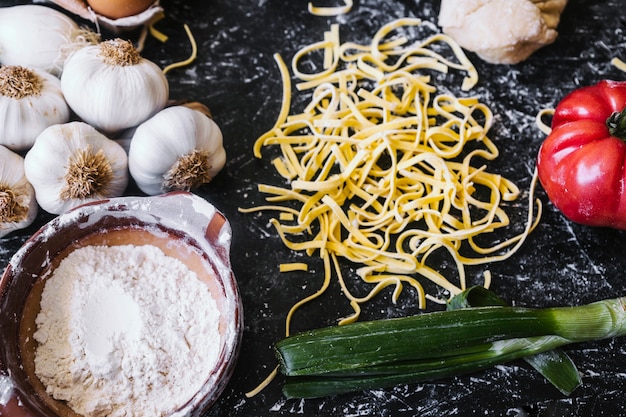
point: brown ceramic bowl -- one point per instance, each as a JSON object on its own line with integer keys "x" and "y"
{"x": 183, "y": 225}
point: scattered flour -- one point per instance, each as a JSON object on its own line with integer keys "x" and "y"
{"x": 6, "y": 388}
{"x": 125, "y": 331}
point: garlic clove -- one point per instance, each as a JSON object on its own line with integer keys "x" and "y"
{"x": 18, "y": 205}
{"x": 177, "y": 149}
{"x": 30, "y": 101}
{"x": 71, "y": 164}
{"x": 112, "y": 87}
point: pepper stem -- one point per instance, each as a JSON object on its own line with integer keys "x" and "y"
{"x": 617, "y": 124}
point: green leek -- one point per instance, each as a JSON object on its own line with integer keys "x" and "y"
{"x": 555, "y": 365}
{"x": 388, "y": 352}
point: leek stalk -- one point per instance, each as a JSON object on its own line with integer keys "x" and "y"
{"x": 388, "y": 352}
{"x": 555, "y": 365}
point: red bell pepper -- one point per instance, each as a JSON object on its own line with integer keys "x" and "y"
{"x": 582, "y": 162}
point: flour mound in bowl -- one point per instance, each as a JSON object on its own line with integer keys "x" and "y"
{"x": 125, "y": 331}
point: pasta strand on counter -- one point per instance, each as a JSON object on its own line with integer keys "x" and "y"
{"x": 192, "y": 56}
{"x": 331, "y": 11}
{"x": 619, "y": 64}
{"x": 386, "y": 172}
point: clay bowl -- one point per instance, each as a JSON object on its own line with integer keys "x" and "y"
{"x": 182, "y": 225}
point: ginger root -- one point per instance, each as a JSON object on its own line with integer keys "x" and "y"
{"x": 501, "y": 31}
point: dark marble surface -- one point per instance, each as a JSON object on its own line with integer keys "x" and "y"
{"x": 560, "y": 264}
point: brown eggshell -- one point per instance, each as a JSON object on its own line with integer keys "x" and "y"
{"x": 117, "y": 9}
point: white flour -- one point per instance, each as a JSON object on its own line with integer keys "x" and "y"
{"x": 125, "y": 331}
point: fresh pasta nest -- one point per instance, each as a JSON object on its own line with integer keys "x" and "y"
{"x": 384, "y": 169}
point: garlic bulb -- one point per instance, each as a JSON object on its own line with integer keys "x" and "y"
{"x": 18, "y": 206}
{"x": 72, "y": 163}
{"x": 30, "y": 101}
{"x": 179, "y": 148}
{"x": 111, "y": 87}
{"x": 39, "y": 37}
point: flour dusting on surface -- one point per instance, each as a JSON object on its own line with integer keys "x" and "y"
{"x": 6, "y": 387}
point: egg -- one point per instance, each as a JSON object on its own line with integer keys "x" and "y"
{"x": 116, "y": 9}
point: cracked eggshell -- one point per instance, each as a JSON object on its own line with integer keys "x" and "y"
{"x": 109, "y": 13}
{"x": 117, "y": 9}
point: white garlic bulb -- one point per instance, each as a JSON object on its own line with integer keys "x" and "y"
{"x": 18, "y": 206}
{"x": 30, "y": 101}
{"x": 179, "y": 148}
{"x": 72, "y": 163}
{"x": 112, "y": 87}
{"x": 39, "y": 37}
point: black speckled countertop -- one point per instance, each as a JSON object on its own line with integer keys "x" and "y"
{"x": 560, "y": 264}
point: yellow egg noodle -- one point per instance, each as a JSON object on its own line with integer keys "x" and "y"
{"x": 619, "y": 64}
{"x": 294, "y": 266}
{"x": 383, "y": 168}
{"x": 157, "y": 34}
{"x": 541, "y": 124}
{"x": 331, "y": 11}
{"x": 192, "y": 56}
{"x": 162, "y": 37}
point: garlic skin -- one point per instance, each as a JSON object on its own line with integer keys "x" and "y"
{"x": 18, "y": 205}
{"x": 177, "y": 149}
{"x": 38, "y": 37}
{"x": 30, "y": 101}
{"x": 111, "y": 87}
{"x": 71, "y": 164}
